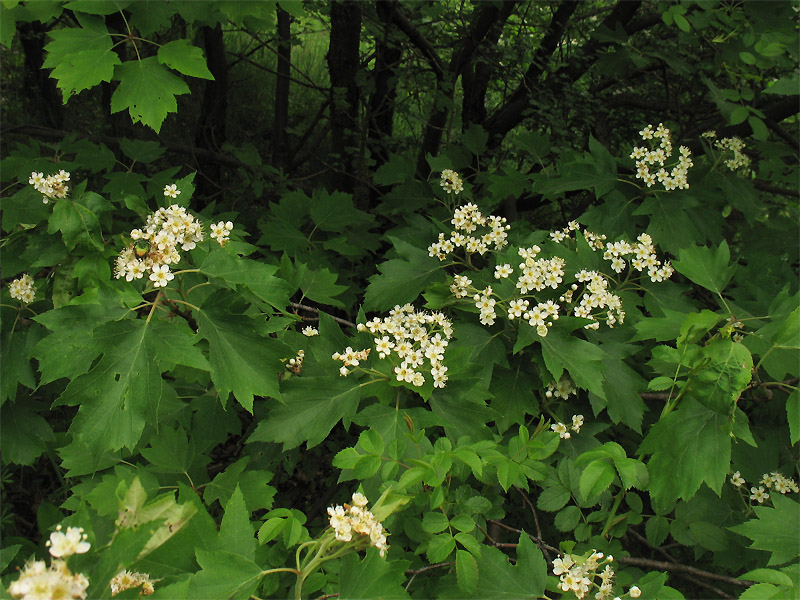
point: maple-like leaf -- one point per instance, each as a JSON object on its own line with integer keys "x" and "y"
{"x": 147, "y": 89}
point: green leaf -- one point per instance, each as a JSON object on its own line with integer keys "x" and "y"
{"x": 762, "y": 591}
{"x": 318, "y": 285}
{"x": 258, "y": 277}
{"x": 622, "y": 385}
{"x": 475, "y": 138}
{"x": 24, "y": 434}
{"x": 184, "y": 58}
{"x": 498, "y": 579}
{"x": 235, "y": 531}
{"x": 242, "y": 361}
{"x": 434, "y": 522}
{"x": 401, "y": 279}
{"x": 689, "y": 446}
{"x": 76, "y": 223}
{"x": 312, "y": 406}
{"x": 81, "y": 57}
{"x": 727, "y": 369}
{"x": 440, "y": 547}
{"x": 16, "y": 368}
{"x": 466, "y": 571}
{"x": 656, "y": 529}
{"x": 224, "y": 575}
{"x": 374, "y": 577}
{"x": 553, "y": 498}
{"x": 760, "y": 131}
{"x": 513, "y": 396}
{"x": 124, "y": 387}
{"x": 775, "y": 529}
{"x": 568, "y": 518}
{"x": 706, "y": 267}
{"x": 147, "y": 90}
{"x": 583, "y": 360}
{"x": 595, "y": 478}
{"x": 786, "y": 86}
{"x": 709, "y": 536}
{"x": 767, "y": 576}
{"x": 793, "y": 415}
{"x": 170, "y": 451}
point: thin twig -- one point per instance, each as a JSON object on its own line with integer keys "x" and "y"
{"x": 298, "y": 306}
{"x": 415, "y": 572}
{"x": 538, "y": 539}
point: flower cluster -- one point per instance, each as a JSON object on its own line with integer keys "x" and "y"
{"x": 66, "y": 544}
{"x": 355, "y": 518}
{"x": 125, "y": 580}
{"x": 22, "y": 289}
{"x": 562, "y": 389}
{"x": 37, "y": 581}
{"x": 295, "y": 365}
{"x": 53, "y": 187}
{"x": 773, "y": 481}
{"x": 561, "y": 428}
{"x": 155, "y": 247}
{"x": 221, "y": 232}
{"x": 647, "y": 157}
{"x": 735, "y": 145}
{"x": 414, "y": 337}
{"x": 466, "y": 220}
{"x": 451, "y": 182}
{"x": 577, "y": 575}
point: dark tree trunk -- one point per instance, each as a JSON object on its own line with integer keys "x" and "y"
{"x": 31, "y": 36}
{"x": 210, "y": 131}
{"x": 380, "y": 113}
{"x": 343, "y": 65}
{"x": 280, "y": 152}
{"x": 484, "y": 19}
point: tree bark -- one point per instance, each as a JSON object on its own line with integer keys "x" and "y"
{"x": 210, "y": 131}
{"x": 280, "y": 152}
{"x": 343, "y": 65}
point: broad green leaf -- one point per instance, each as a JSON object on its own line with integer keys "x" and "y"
{"x": 434, "y": 522}
{"x": 786, "y": 86}
{"x": 147, "y": 90}
{"x": 401, "y": 279}
{"x": 767, "y": 576}
{"x": 170, "y": 451}
{"x": 466, "y": 571}
{"x": 793, "y": 415}
{"x": 595, "y": 478}
{"x": 513, "y": 396}
{"x": 224, "y": 575}
{"x": 475, "y": 138}
{"x": 258, "y": 277}
{"x": 15, "y": 367}
{"x": 124, "y": 387}
{"x": 81, "y": 57}
{"x": 689, "y": 446}
{"x": 709, "y": 536}
{"x": 253, "y": 484}
{"x": 774, "y": 529}
{"x": 76, "y": 223}
{"x": 727, "y": 369}
{"x": 242, "y": 362}
{"x": 334, "y": 212}
{"x": 583, "y": 360}
{"x": 622, "y": 385}
{"x": 235, "y": 531}
{"x": 498, "y": 579}
{"x": 373, "y": 577}
{"x": 318, "y": 285}
{"x": 568, "y": 518}
{"x": 184, "y": 58}
{"x": 553, "y": 498}
{"x": 656, "y": 528}
{"x": 706, "y": 267}
{"x": 24, "y": 433}
{"x": 311, "y": 407}
{"x": 440, "y": 547}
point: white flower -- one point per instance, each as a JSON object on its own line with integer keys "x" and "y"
{"x": 451, "y": 182}
{"x": 161, "y": 275}
{"x": 635, "y": 592}
{"x": 171, "y": 191}
{"x": 66, "y": 544}
{"x": 310, "y": 331}
{"x": 22, "y": 289}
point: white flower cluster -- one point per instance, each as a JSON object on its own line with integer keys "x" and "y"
{"x": 125, "y": 580}
{"x": 596, "y": 297}
{"x": 155, "y": 247}
{"x": 563, "y": 389}
{"x": 37, "y": 581}
{"x": 647, "y": 157}
{"x": 355, "y": 518}
{"x": 295, "y": 365}
{"x": 773, "y": 481}
{"x": 53, "y": 187}
{"x": 221, "y": 232}
{"x": 740, "y": 160}
{"x": 577, "y": 575}
{"x": 62, "y": 545}
{"x": 451, "y": 182}
{"x": 467, "y": 219}
{"x": 22, "y": 289}
{"x": 561, "y": 428}
{"x": 414, "y": 336}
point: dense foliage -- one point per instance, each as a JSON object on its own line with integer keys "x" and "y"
{"x": 398, "y": 299}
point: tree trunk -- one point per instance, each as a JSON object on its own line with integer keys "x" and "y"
{"x": 280, "y": 151}
{"x": 343, "y": 65}
{"x": 210, "y": 131}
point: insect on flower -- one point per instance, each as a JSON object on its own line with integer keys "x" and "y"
{"x": 141, "y": 248}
